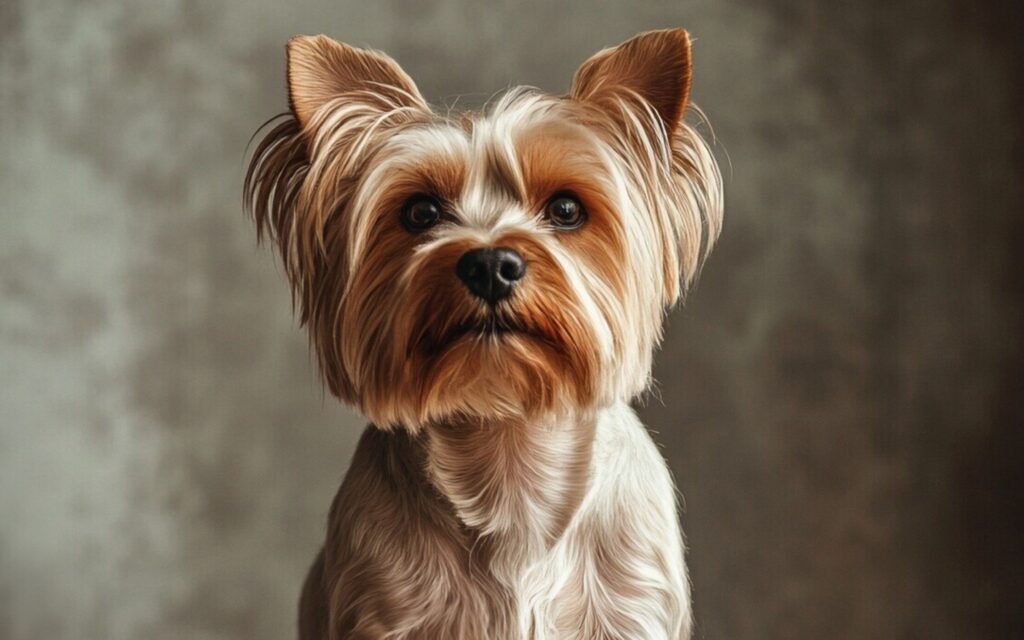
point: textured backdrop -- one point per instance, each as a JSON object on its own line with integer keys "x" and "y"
{"x": 840, "y": 401}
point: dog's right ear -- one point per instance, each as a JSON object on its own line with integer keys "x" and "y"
{"x": 321, "y": 70}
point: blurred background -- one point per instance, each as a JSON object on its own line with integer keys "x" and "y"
{"x": 841, "y": 399}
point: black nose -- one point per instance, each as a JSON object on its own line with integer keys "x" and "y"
{"x": 490, "y": 273}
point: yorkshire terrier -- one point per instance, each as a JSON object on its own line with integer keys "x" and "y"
{"x": 488, "y": 288}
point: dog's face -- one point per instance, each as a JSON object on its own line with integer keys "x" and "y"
{"x": 510, "y": 263}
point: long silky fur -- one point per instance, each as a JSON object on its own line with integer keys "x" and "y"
{"x": 505, "y": 488}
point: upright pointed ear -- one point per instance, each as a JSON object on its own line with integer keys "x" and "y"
{"x": 654, "y": 65}
{"x": 321, "y": 69}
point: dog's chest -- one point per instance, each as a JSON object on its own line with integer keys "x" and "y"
{"x": 548, "y": 599}
{"x": 538, "y": 555}
{"x": 588, "y": 586}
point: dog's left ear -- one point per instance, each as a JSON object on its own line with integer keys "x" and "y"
{"x": 654, "y": 65}
{"x": 321, "y": 69}
{"x": 651, "y": 73}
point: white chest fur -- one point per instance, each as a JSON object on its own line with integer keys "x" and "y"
{"x": 583, "y": 521}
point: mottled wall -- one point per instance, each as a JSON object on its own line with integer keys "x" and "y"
{"x": 840, "y": 401}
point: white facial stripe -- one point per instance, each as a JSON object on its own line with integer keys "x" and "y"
{"x": 496, "y": 183}
{"x": 405, "y": 149}
{"x": 581, "y": 282}
{"x": 494, "y": 188}
{"x": 484, "y": 202}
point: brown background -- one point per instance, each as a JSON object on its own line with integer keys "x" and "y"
{"x": 840, "y": 401}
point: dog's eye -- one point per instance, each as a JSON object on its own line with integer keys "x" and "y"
{"x": 421, "y": 213}
{"x": 565, "y": 212}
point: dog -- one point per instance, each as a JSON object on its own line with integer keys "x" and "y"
{"x": 489, "y": 288}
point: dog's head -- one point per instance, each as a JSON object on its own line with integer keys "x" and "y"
{"x": 508, "y": 263}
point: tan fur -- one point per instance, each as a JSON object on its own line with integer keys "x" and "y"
{"x": 505, "y": 489}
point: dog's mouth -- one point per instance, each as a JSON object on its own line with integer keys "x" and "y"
{"x": 490, "y": 329}
{"x": 490, "y": 326}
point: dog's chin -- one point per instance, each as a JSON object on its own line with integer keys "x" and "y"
{"x": 483, "y": 365}
{"x": 484, "y": 369}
